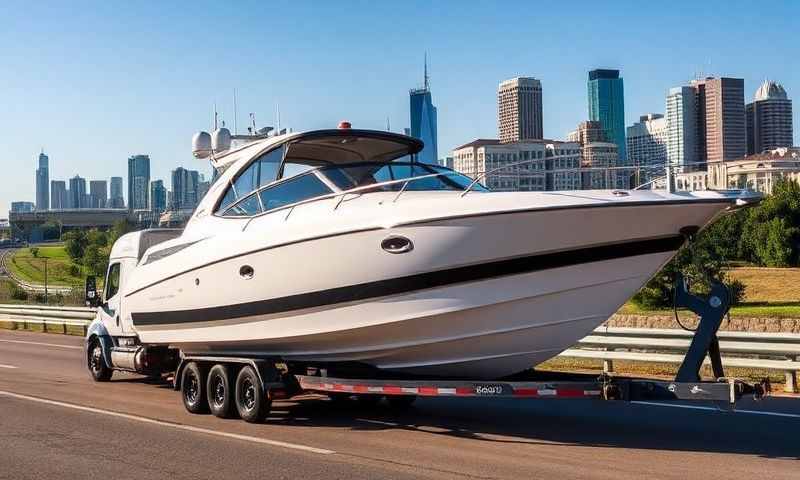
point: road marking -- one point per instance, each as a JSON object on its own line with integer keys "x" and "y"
{"x": 42, "y": 344}
{"x": 7, "y": 366}
{"x": 177, "y": 426}
{"x": 715, "y": 409}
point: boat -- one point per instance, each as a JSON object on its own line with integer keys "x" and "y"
{"x": 335, "y": 247}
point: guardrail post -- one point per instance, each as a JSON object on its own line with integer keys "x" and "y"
{"x": 44, "y": 326}
{"x": 790, "y": 386}
{"x": 65, "y": 328}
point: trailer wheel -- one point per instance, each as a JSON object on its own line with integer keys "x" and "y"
{"x": 400, "y": 402}
{"x": 97, "y": 366}
{"x": 251, "y": 402}
{"x": 192, "y": 391}
{"x": 219, "y": 392}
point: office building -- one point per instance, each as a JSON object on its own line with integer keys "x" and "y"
{"x": 58, "y": 195}
{"x": 22, "y": 207}
{"x": 682, "y": 125}
{"x": 760, "y": 172}
{"x": 725, "y": 119}
{"x": 158, "y": 196}
{"x": 424, "y": 120}
{"x": 606, "y": 94}
{"x": 78, "y": 198}
{"x": 98, "y": 193}
{"x": 43, "y": 183}
{"x": 519, "y": 110}
{"x": 646, "y": 144}
{"x": 115, "y": 198}
{"x": 184, "y": 189}
{"x": 446, "y": 162}
{"x": 769, "y": 119}
{"x": 138, "y": 182}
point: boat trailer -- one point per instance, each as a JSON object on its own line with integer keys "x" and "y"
{"x": 687, "y": 385}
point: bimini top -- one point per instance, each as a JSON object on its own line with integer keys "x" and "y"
{"x": 336, "y": 146}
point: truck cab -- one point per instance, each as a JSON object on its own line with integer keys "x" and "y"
{"x": 111, "y": 341}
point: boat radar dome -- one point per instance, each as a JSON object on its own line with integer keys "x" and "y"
{"x": 201, "y": 145}
{"x": 221, "y": 139}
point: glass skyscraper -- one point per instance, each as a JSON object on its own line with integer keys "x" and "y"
{"x": 138, "y": 182}
{"x": 43, "y": 183}
{"x": 607, "y": 106}
{"x": 423, "y": 121}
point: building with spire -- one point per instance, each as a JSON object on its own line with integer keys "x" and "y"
{"x": 769, "y": 119}
{"x": 423, "y": 119}
{"x": 43, "y": 183}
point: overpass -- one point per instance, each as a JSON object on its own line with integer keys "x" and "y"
{"x": 28, "y": 225}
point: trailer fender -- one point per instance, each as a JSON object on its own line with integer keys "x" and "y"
{"x": 97, "y": 330}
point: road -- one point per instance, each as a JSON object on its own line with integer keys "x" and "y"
{"x": 56, "y": 423}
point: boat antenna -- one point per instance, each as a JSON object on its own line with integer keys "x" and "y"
{"x": 253, "y": 122}
{"x": 235, "y": 114}
{"x": 388, "y": 127}
{"x": 215, "y": 115}
{"x": 278, "y": 114}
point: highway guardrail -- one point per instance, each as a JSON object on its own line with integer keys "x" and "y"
{"x": 760, "y": 350}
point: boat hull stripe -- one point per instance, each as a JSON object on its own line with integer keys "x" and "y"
{"x": 411, "y": 283}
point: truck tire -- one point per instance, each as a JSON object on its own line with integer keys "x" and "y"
{"x": 97, "y": 366}
{"x": 219, "y": 392}
{"x": 192, "y": 388}
{"x": 251, "y": 403}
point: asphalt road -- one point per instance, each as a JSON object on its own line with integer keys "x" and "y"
{"x": 56, "y": 423}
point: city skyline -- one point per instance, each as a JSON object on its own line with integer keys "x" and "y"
{"x": 316, "y": 89}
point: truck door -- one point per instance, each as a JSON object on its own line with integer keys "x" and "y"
{"x": 109, "y": 309}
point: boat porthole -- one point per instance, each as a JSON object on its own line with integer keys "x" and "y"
{"x": 246, "y": 272}
{"x": 197, "y": 281}
{"x": 397, "y": 244}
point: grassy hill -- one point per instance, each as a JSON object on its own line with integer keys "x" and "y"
{"x": 60, "y": 269}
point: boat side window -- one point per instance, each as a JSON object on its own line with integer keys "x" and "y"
{"x": 262, "y": 171}
{"x": 294, "y": 190}
{"x": 246, "y": 208}
{"x": 112, "y": 281}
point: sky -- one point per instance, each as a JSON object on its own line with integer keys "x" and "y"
{"x": 94, "y": 83}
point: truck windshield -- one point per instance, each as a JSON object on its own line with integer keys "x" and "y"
{"x": 353, "y": 175}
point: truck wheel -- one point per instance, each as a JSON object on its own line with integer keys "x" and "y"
{"x": 97, "y": 366}
{"x": 192, "y": 391}
{"x": 219, "y": 392}
{"x": 251, "y": 403}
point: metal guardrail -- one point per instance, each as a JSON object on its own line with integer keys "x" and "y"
{"x": 759, "y": 350}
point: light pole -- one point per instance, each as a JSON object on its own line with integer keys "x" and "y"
{"x": 45, "y": 280}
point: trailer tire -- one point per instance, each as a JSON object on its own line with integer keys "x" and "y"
{"x": 251, "y": 402}
{"x": 97, "y": 366}
{"x": 192, "y": 388}
{"x": 219, "y": 392}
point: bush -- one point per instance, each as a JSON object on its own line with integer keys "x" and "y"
{"x": 74, "y": 270}
{"x": 18, "y": 293}
{"x": 35, "y": 252}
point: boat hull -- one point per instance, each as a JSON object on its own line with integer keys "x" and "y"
{"x": 480, "y": 296}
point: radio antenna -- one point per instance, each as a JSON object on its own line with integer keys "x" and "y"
{"x": 235, "y": 115}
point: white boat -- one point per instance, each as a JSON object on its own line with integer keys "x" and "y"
{"x": 335, "y": 246}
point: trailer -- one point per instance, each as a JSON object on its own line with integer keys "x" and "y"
{"x": 245, "y": 387}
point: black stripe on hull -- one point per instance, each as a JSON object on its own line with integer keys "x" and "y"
{"x": 411, "y": 283}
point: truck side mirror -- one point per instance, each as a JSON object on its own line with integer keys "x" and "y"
{"x": 92, "y": 295}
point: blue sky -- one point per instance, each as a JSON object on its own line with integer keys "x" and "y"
{"x": 93, "y": 83}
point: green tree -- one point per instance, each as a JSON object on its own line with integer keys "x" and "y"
{"x": 75, "y": 243}
{"x": 95, "y": 259}
{"x": 771, "y": 231}
{"x": 34, "y": 251}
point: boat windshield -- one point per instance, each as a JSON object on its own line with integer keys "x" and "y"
{"x": 362, "y": 174}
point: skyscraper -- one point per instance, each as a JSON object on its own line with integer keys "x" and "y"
{"x": 116, "y": 199}
{"x": 769, "y": 119}
{"x": 43, "y": 183}
{"x": 725, "y": 120}
{"x": 423, "y": 120}
{"x": 519, "y": 110}
{"x": 682, "y": 123}
{"x": 158, "y": 197}
{"x": 184, "y": 188}
{"x": 77, "y": 192}
{"x": 138, "y": 181}
{"x": 607, "y": 105}
{"x": 58, "y": 195}
{"x": 98, "y": 192}
{"x": 646, "y": 142}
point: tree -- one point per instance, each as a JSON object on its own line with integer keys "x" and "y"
{"x": 770, "y": 235}
{"x": 75, "y": 243}
{"x": 95, "y": 259}
{"x": 34, "y": 251}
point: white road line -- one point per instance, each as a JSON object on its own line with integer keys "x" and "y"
{"x": 176, "y": 426}
{"x": 75, "y": 347}
{"x": 715, "y": 409}
{"x": 7, "y": 366}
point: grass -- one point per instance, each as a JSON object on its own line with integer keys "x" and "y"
{"x": 769, "y": 293}
{"x": 24, "y": 266}
{"x": 37, "y": 327}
